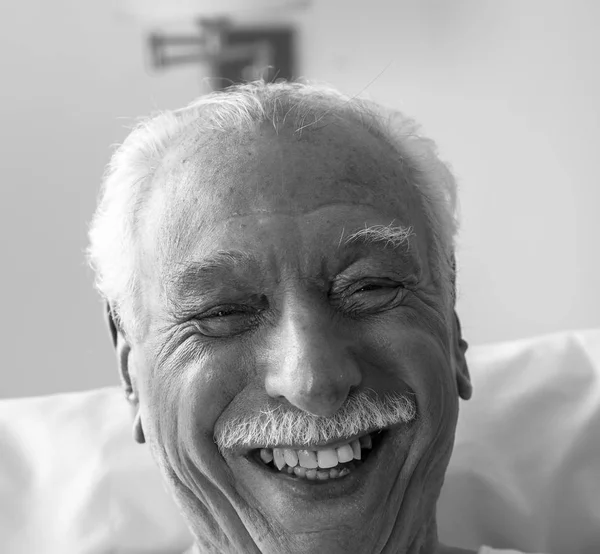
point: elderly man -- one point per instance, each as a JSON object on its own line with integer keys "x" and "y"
{"x": 277, "y": 261}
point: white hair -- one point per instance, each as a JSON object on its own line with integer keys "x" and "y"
{"x": 390, "y": 235}
{"x": 113, "y": 251}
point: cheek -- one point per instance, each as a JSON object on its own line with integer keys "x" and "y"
{"x": 199, "y": 388}
{"x": 185, "y": 398}
{"x": 411, "y": 357}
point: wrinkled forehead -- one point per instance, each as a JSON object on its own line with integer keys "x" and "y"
{"x": 206, "y": 178}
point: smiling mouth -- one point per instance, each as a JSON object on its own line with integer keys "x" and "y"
{"x": 318, "y": 465}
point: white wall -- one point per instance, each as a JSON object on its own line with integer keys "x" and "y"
{"x": 72, "y": 75}
{"x": 509, "y": 90}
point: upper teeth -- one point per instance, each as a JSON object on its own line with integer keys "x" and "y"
{"x": 323, "y": 458}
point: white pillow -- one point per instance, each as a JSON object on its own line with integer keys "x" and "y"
{"x": 525, "y": 472}
{"x": 72, "y": 480}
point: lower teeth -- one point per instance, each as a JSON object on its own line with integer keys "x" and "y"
{"x": 319, "y": 474}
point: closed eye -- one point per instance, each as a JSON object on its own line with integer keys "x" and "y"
{"x": 227, "y": 321}
{"x": 224, "y": 312}
{"x": 375, "y": 286}
{"x": 368, "y": 296}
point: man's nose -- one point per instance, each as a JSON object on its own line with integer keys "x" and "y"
{"x": 310, "y": 365}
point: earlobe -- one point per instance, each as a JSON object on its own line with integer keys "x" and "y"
{"x": 463, "y": 378}
{"x": 138, "y": 430}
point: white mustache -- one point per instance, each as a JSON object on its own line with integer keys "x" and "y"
{"x": 280, "y": 426}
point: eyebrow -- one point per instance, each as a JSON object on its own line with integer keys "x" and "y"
{"x": 395, "y": 238}
{"x": 387, "y": 236}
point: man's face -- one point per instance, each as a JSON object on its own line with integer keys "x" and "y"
{"x": 256, "y": 303}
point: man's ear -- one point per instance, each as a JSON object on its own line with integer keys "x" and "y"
{"x": 123, "y": 350}
{"x": 463, "y": 379}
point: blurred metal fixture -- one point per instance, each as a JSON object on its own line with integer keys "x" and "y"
{"x": 237, "y": 39}
{"x": 233, "y": 52}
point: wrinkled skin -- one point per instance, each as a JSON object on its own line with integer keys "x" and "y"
{"x": 301, "y": 320}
